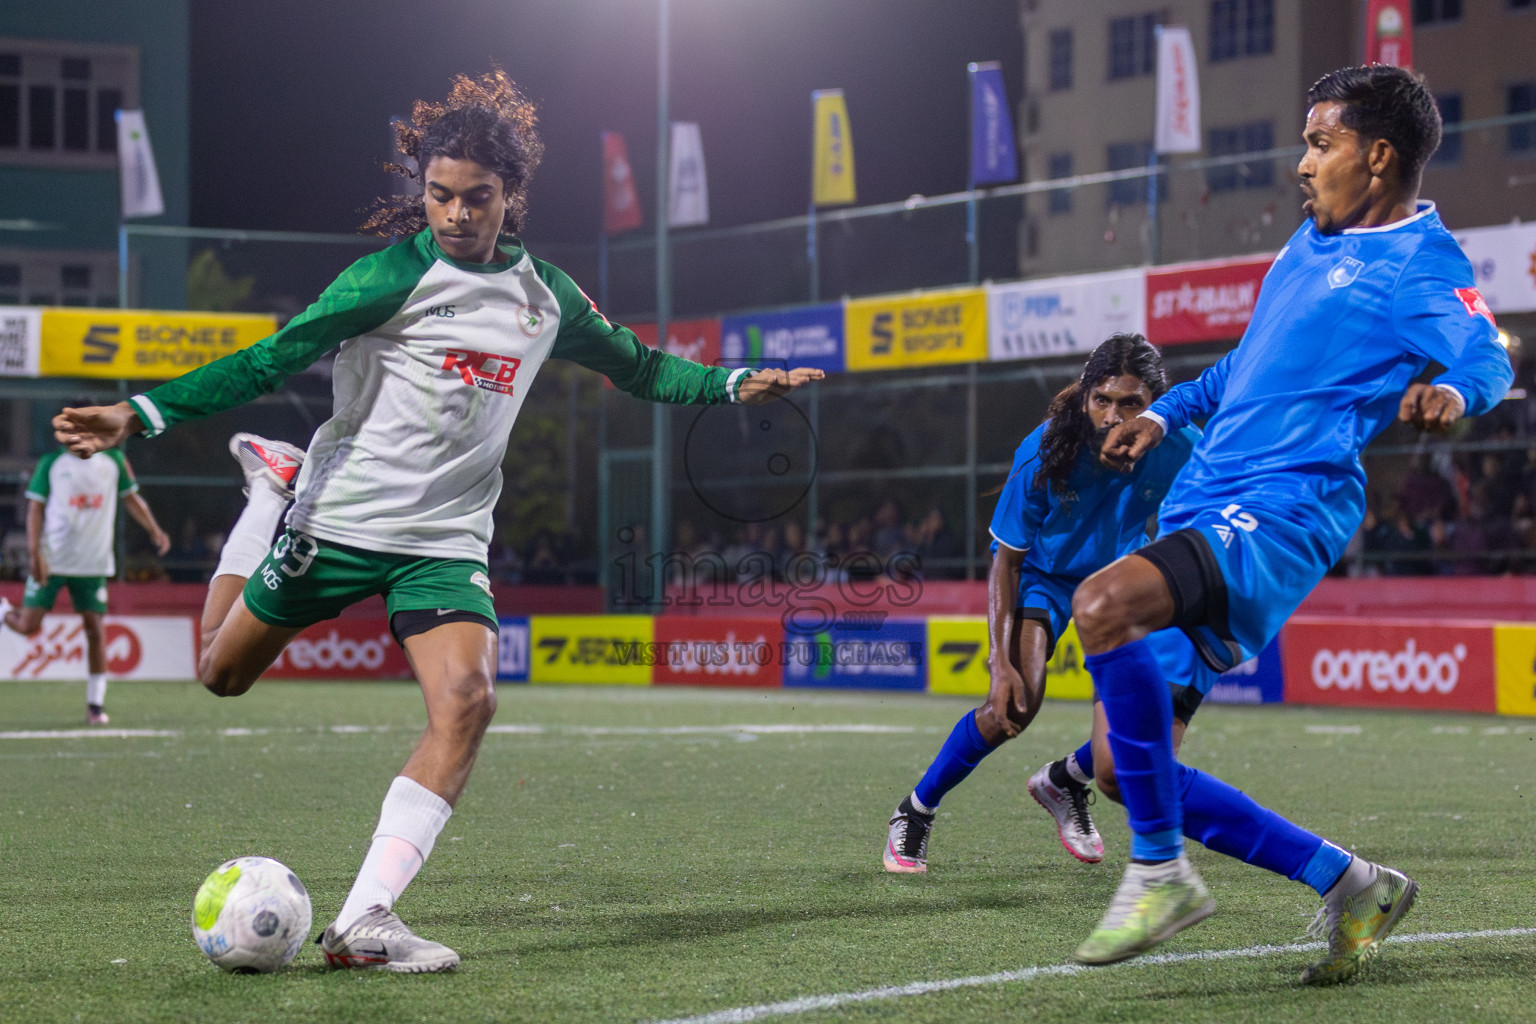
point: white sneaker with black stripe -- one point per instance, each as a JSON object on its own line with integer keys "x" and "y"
{"x": 380, "y": 941}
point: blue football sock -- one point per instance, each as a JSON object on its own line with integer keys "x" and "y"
{"x": 1140, "y": 712}
{"x": 1229, "y": 821}
{"x": 961, "y": 752}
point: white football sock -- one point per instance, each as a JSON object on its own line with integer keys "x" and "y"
{"x": 1076, "y": 770}
{"x": 1357, "y": 876}
{"x": 251, "y": 537}
{"x": 96, "y": 689}
{"x": 409, "y": 822}
{"x": 919, "y": 807}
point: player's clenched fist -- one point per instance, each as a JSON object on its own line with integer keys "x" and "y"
{"x": 95, "y": 428}
{"x": 1431, "y": 408}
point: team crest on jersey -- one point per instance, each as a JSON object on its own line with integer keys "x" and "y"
{"x": 480, "y": 580}
{"x": 530, "y": 320}
{"x": 1345, "y": 273}
{"x": 1475, "y": 303}
{"x": 484, "y": 370}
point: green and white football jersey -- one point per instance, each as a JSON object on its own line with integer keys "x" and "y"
{"x": 79, "y": 498}
{"x": 436, "y": 356}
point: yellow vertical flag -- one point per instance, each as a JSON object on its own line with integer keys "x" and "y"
{"x": 832, "y": 165}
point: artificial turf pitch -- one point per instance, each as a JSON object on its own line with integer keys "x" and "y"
{"x": 619, "y": 855}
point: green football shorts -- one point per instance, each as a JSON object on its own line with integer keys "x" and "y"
{"x": 304, "y": 580}
{"x": 86, "y": 593}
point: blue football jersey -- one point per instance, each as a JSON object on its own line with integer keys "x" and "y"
{"x": 1102, "y": 515}
{"x": 1342, "y": 326}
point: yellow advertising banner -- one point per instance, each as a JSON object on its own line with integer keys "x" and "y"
{"x": 916, "y": 330}
{"x": 832, "y": 170}
{"x": 591, "y": 649}
{"x": 957, "y": 655}
{"x": 1514, "y": 659}
{"x": 142, "y": 344}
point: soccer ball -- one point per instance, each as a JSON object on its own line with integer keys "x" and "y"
{"x": 252, "y": 914}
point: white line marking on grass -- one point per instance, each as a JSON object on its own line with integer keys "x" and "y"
{"x": 1331, "y": 730}
{"x": 805, "y": 1004}
{"x": 701, "y": 730}
{"x": 81, "y": 734}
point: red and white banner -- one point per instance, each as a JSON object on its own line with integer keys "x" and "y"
{"x": 138, "y": 647}
{"x": 621, "y": 203}
{"x": 1385, "y": 664}
{"x": 1389, "y": 33}
{"x": 1204, "y": 301}
{"x": 342, "y": 649}
{"x": 718, "y": 652}
{"x": 1178, "y": 93}
{"x": 698, "y": 340}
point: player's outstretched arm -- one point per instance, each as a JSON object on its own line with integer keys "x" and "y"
{"x": 1431, "y": 407}
{"x": 95, "y": 428}
{"x": 766, "y": 385}
{"x": 1129, "y": 441}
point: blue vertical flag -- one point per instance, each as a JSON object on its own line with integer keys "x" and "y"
{"x": 994, "y": 153}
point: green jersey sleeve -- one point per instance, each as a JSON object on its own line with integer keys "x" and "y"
{"x": 126, "y": 484}
{"x": 365, "y": 296}
{"x": 588, "y": 338}
{"x": 38, "y": 488}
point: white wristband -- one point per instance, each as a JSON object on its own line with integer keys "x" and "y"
{"x": 1155, "y": 418}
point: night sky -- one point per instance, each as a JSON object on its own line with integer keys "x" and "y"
{"x": 291, "y": 99}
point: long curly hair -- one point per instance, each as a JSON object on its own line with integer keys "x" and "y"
{"x": 1069, "y": 424}
{"x": 487, "y": 119}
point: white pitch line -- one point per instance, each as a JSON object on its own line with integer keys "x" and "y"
{"x": 805, "y": 1004}
{"x": 82, "y": 734}
{"x": 701, "y": 730}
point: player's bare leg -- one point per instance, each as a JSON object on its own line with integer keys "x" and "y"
{"x": 456, "y": 666}
{"x": 26, "y": 621}
{"x": 96, "y": 668}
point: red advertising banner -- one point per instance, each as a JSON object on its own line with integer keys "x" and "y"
{"x": 1389, "y": 664}
{"x": 1389, "y": 33}
{"x": 621, "y": 203}
{"x": 342, "y": 649}
{"x": 718, "y": 651}
{"x": 1203, "y": 302}
{"x": 698, "y": 340}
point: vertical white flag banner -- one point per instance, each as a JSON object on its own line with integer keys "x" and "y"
{"x": 688, "y": 196}
{"x": 136, "y": 161}
{"x": 1178, "y": 93}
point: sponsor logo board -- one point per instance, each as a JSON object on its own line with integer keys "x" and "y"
{"x": 1255, "y": 681}
{"x": 512, "y": 645}
{"x": 698, "y": 340}
{"x": 21, "y": 334}
{"x": 1403, "y": 664}
{"x": 1211, "y": 302}
{"x": 918, "y": 330}
{"x": 958, "y": 648}
{"x": 1064, "y": 315}
{"x": 138, "y": 647}
{"x": 887, "y": 656}
{"x": 708, "y": 651}
{"x": 1503, "y": 265}
{"x": 142, "y": 344}
{"x": 810, "y": 336}
{"x": 361, "y": 648}
{"x": 590, "y": 649}
{"x": 1514, "y": 652}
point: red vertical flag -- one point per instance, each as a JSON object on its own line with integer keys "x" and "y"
{"x": 1389, "y": 33}
{"x": 621, "y": 203}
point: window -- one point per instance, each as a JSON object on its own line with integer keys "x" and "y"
{"x": 1061, "y": 59}
{"x": 1450, "y": 116}
{"x": 1247, "y": 138}
{"x": 58, "y": 102}
{"x": 1522, "y": 137}
{"x": 1129, "y": 191}
{"x": 1242, "y": 28}
{"x": 1059, "y": 165}
{"x": 1435, "y": 12}
{"x": 1131, "y": 49}
{"x": 41, "y": 277}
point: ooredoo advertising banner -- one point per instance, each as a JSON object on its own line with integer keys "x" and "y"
{"x": 1064, "y": 315}
{"x": 1203, "y": 302}
{"x": 1402, "y": 664}
{"x": 706, "y": 651}
{"x": 937, "y": 327}
{"x": 890, "y": 656}
{"x": 361, "y": 648}
{"x": 138, "y": 647}
{"x": 810, "y": 336}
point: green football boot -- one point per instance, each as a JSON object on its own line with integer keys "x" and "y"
{"x": 1356, "y": 924}
{"x": 1154, "y": 902}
